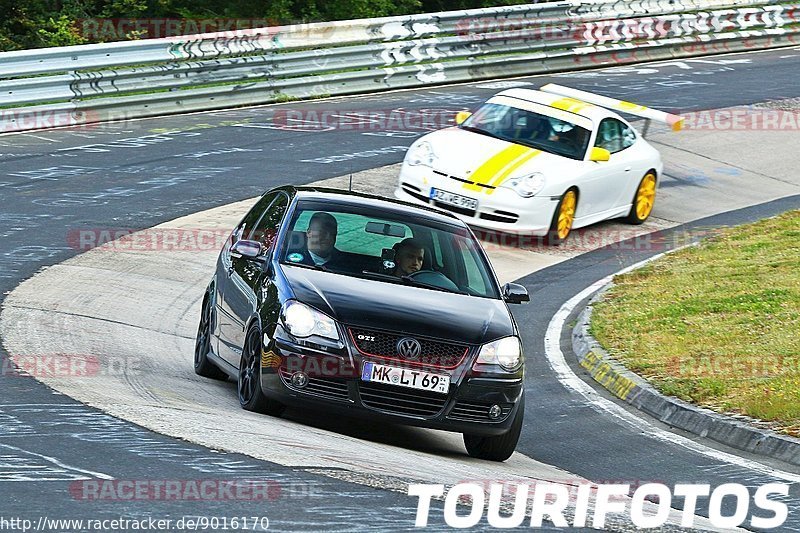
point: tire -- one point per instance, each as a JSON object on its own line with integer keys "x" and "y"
{"x": 563, "y": 218}
{"x": 643, "y": 200}
{"x": 202, "y": 345}
{"x": 251, "y": 398}
{"x": 498, "y": 447}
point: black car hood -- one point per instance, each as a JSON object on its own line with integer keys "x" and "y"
{"x": 400, "y": 308}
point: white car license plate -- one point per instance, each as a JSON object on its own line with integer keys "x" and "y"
{"x": 450, "y": 198}
{"x": 405, "y": 377}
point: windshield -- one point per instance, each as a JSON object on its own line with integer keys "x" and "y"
{"x": 388, "y": 248}
{"x": 530, "y": 129}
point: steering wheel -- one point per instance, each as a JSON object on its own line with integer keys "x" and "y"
{"x": 435, "y": 278}
{"x": 568, "y": 140}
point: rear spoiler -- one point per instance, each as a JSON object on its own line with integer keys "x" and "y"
{"x": 673, "y": 121}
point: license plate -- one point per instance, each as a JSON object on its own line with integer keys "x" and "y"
{"x": 454, "y": 199}
{"x": 405, "y": 377}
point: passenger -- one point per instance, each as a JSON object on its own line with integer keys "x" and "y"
{"x": 408, "y": 257}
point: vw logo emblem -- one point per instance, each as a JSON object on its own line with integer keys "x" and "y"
{"x": 409, "y": 348}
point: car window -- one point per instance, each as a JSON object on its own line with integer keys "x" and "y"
{"x": 437, "y": 250}
{"x": 614, "y": 135}
{"x": 248, "y": 223}
{"x": 352, "y": 234}
{"x": 628, "y": 136}
{"x": 368, "y": 243}
{"x": 266, "y": 228}
{"x": 529, "y": 128}
{"x": 476, "y": 279}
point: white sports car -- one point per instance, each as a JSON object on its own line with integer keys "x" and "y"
{"x": 538, "y": 162}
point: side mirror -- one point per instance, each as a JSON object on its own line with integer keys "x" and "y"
{"x": 599, "y": 154}
{"x": 515, "y": 293}
{"x": 461, "y": 116}
{"x": 248, "y": 249}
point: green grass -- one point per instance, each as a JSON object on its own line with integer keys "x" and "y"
{"x": 716, "y": 324}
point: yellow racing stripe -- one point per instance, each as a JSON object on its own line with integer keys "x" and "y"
{"x": 497, "y": 168}
{"x": 509, "y": 169}
{"x": 631, "y": 107}
{"x": 484, "y": 174}
{"x": 570, "y": 104}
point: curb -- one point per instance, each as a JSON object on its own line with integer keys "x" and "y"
{"x": 635, "y": 391}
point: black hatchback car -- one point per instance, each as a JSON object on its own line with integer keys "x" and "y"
{"x": 369, "y": 306}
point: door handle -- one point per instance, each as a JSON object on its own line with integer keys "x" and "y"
{"x": 627, "y": 169}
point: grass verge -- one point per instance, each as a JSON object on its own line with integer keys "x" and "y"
{"x": 717, "y": 324}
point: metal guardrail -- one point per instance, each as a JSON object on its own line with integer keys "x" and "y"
{"x": 91, "y": 83}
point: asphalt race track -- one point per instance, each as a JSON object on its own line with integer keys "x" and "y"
{"x": 138, "y": 174}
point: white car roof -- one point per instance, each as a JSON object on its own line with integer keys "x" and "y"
{"x": 578, "y": 107}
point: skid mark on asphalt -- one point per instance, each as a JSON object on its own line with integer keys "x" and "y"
{"x": 690, "y": 176}
{"x": 753, "y": 482}
{"x": 18, "y": 464}
{"x": 727, "y": 166}
{"x": 11, "y": 426}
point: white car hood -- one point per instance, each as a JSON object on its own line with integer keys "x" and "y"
{"x": 460, "y": 153}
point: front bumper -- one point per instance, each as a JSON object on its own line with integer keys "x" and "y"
{"x": 334, "y": 385}
{"x": 499, "y": 209}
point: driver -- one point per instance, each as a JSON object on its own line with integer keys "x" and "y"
{"x": 321, "y": 238}
{"x": 408, "y": 256}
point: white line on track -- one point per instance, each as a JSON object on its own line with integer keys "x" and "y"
{"x": 555, "y": 357}
{"x": 41, "y": 138}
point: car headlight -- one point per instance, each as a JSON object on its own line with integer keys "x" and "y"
{"x": 506, "y": 352}
{"x": 421, "y": 154}
{"x": 303, "y": 321}
{"x": 528, "y": 185}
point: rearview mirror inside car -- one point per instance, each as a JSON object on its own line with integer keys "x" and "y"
{"x": 382, "y": 228}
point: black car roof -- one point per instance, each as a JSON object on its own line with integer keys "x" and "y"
{"x": 371, "y": 200}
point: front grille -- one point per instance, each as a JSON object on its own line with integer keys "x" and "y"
{"x": 400, "y": 400}
{"x": 454, "y": 209}
{"x": 462, "y": 180}
{"x": 415, "y": 192}
{"x": 434, "y": 353}
{"x": 475, "y": 183}
{"x": 500, "y": 216}
{"x": 478, "y": 412}
{"x": 334, "y": 389}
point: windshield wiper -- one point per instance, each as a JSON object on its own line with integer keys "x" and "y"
{"x": 380, "y": 275}
{"x": 412, "y": 281}
{"x": 534, "y": 145}
{"x": 314, "y": 266}
{"x": 408, "y": 280}
{"x": 415, "y": 281}
{"x": 483, "y": 132}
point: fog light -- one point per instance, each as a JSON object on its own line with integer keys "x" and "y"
{"x": 495, "y": 411}
{"x": 299, "y": 380}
